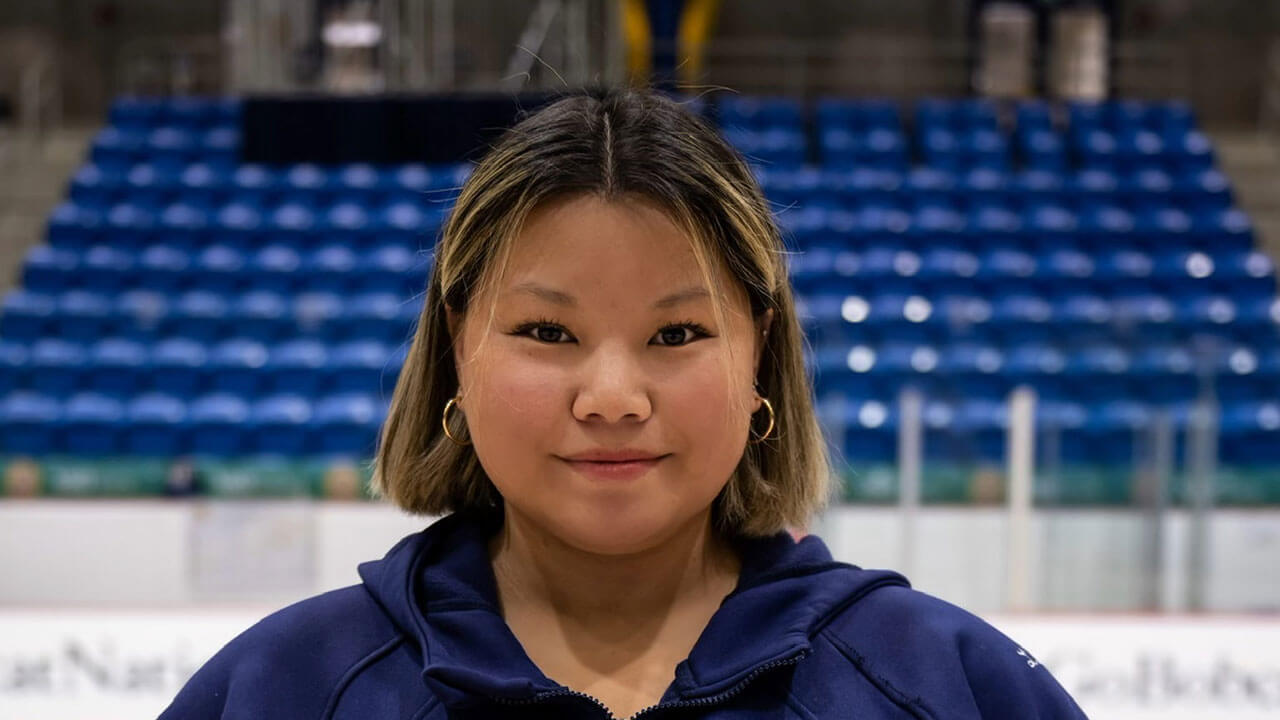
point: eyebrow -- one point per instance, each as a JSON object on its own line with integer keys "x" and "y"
{"x": 558, "y": 297}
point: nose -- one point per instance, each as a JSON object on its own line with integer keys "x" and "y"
{"x": 613, "y": 388}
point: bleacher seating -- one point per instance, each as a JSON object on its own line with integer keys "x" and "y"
{"x": 188, "y": 303}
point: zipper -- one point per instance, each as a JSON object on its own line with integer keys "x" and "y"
{"x": 708, "y": 700}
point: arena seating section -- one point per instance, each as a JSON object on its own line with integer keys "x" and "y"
{"x": 190, "y": 304}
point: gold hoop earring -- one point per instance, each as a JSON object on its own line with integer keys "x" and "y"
{"x": 444, "y": 422}
{"x": 772, "y": 418}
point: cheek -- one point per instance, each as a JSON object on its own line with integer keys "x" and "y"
{"x": 706, "y": 408}
{"x": 513, "y": 402}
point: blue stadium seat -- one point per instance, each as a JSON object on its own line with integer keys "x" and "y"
{"x": 360, "y": 366}
{"x": 237, "y": 366}
{"x": 186, "y": 225}
{"x": 164, "y": 268}
{"x": 870, "y": 429}
{"x": 262, "y": 316}
{"x": 57, "y": 366}
{"x": 95, "y": 187}
{"x": 220, "y": 269}
{"x": 945, "y": 271}
{"x": 1005, "y": 272}
{"x": 14, "y": 361}
{"x": 975, "y": 368}
{"x": 1249, "y": 431}
{"x": 1106, "y": 228}
{"x": 149, "y": 186}
{"x": 363, "y": 184}
{"x": 93, "y": 425}
{"x": 293, "y": 224}
{"x": 992, "y": 227}
{"x": 1084, "y": 318}
{"x": 936, "y": 226}
{"x": 889, "y": 270}
{"x": 74, "y": 227}
{"x": 1097, "y": 372}
{"x": 307, "y": 184}
{"x": 156, "y": 426}
{"x": 218, "y": 424}
{"x": 394, "y": 269}
{"x": 1202, "y": 190}
{"x": 1039, "y": 186}
{"x": 178, "y": 367}
{"x": 1066, "y": 271}
{"x": 1042, "y": 149}
{"x": 374, "y": 316}
{"x": 1210, "y": 315}
{"x": 1023, "y": 317}
{"x": 219, "y": 147}
{"x": 129, "y": 225}
{"x": 172, "y": 148}
{"x": 190, "y": 113}
{"x": 330, "y": 269}
{"x": 759, "y": 113}
{"x": 1051, "y": 227}
{"x": 198, "y": 315}
{"x": 26, "y": 315}
{"x": 83, "y": 316}
{"x": 1228, "y": 229}
{"x": 139, "y": 313}
{"x": 131, "y": 112}
{"x": 348, "y": 223}
{"x": 117, "y": 148}
{"x": 1039, "y": 365}
{"x": 117, "y": 367}
{"x": 347, "y": 424}
{"x": 47, "y": 269}
{"x": 280, "y": 425}
{"x": 1163, "y": 228}
{"x": 297, "y": 367}
{"x": 30, "y": 423}
{"x": 407, "y": 224}
{"x": 276, "y": 268}
{"x": 106, "y": 270}
{"x": 316, "y": 314}
{"x": 257, "y": 185}
{"x": 1147, "y": 315}
{"x": 1240, "y": 376}
{"x": 778, "y": 147}
{"x": 204, "y": 186}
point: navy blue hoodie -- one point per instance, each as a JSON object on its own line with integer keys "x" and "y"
{"x": 801, "y": 636}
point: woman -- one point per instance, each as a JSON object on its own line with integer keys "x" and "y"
{"x": 606, "y": 396}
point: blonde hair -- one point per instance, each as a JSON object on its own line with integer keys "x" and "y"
{"x": 615, "y": 144}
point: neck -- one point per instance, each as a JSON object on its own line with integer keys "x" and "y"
{"x": 538, "y": 574}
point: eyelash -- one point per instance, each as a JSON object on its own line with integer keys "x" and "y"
{"x": 698, "y": 330}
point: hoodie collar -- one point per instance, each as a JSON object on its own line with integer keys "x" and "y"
{"x": 438, "y": 586}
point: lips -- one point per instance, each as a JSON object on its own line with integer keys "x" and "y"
{"x": 615, "y": 470}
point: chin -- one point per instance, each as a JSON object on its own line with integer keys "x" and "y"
{"x": 626, "y": 531}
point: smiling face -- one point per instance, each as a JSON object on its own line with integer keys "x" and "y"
{"x": 604, "y": 338}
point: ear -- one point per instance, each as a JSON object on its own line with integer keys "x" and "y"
{"x": 763, "y": 324}
{"x": 454, "y": 321}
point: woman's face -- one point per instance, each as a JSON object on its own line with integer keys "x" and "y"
{"x": 604, "y": 339}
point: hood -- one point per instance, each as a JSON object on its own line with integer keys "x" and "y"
{"x": 438, "y": 587}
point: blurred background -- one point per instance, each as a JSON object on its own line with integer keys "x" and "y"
{"x": 1033, "y": 248}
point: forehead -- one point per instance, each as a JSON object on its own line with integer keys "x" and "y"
{"x": 589, "y": 245}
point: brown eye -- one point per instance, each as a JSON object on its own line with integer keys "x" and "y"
{"x": 674, "y": 335}
{"x": 682, "y": 334}
{"x": 548, "y": 333}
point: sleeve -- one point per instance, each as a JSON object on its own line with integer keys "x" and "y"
{"x": 235, "y": 684}
{"x": 1007, "y": 681}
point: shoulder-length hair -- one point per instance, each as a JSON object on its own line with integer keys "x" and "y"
{"x": 617, "y": 145}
